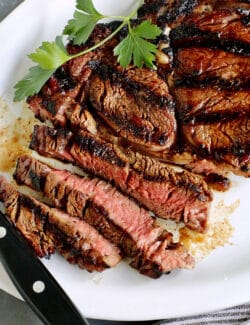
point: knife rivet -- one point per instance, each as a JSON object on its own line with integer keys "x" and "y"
{"x": 3, "y": 232}
{"x": 38, "y": 286}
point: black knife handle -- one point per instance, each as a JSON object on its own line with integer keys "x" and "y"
{"x": 52, "y": 305}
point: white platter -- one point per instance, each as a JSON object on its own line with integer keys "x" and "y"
{"x": 222, "y": 279}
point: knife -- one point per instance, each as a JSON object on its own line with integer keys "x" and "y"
{"x": 33, "y": 281}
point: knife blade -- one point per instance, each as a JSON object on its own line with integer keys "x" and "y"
{"x": 33, "y": 281}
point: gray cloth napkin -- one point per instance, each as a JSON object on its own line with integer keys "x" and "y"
{"x": 235, "y": 315}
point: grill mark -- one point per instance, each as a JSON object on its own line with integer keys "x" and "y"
{"x": 199, "y": 66}
{"x": 193, "y": 82}
{"x": 212, "y": 118}
{"x": 150, "y": 8}
{"x": 132, "y": 87}
{"x": 236, "y": 150}
{"x": 65, "y": 80}
{"x": 163, "y": 175}
{"x": 98, "y": 217}
{"x": 50, "y": 106}
{"x": 98, "y": 149}
{"x": 219, "y": 146}
{"x": 37, "y": 210}
{"x": 36, "y": 180}
{"x": 187, "y": 35}
{"x": 18, "y": 210}
{"x": 65, "y": 245}
{"x": 182, "y": 8}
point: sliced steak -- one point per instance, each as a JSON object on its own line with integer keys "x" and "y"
{"x": 215, "y": 120}
{"x": 117, "y": 217}
{"x": 78, "y": 117}
{"x": 178, "y": 195}
{"x": 172, "y": 12}
{"x": 226, "y": 29}
{"x": 212, "y": 167}
{"x": 138, "y": 107}
{"x": 203, "y": 66}
{"x": 47, "y": 229}
{"x": 136, "y": 104}
{"x": 31, "y": 223}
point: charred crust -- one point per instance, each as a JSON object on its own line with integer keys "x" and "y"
{"x": 64, "y": 79}
{"x": 150, "y": 8}
{"x": 181, "y": 8}
{"x": 196, "y": 81}
{"x": 50, "y": 106}
{"x": 38, "y": 182}
{"x": 119, "y": 79}
{"x": 238, "y": 150}
{"x": 33, "y": 142}
{"x": 146, "y": 267}
{"x": 187, "y": 34}
{"x": 37, "y": 210}
{"x": 218, "y": 182}
{"x": 98, "y": 149}
{"x": 211, "y": 118}
{"x": 98, "y": 217}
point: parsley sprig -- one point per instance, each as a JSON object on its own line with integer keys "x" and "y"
{"x": 134, "y": 49}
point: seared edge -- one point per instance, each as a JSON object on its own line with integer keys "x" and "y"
{"x": 47, "y": 229}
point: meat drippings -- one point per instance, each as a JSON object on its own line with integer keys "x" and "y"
{"x": 14, "y": 135}
{"x": 218, "y": 235}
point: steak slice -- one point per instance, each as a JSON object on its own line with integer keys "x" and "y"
{"x": 77, "y": 117}
{"x": 116, "y": 216}
{"x": 135, "y": 103}
{"x": 226, "y": 29}
{"x": 214, "y": 120}
{"x": 47, "y": 229}
{"x": 172, "y": 12}
{"x": 203, "y": 66}
{"x": 214, "y": 168}
{"x": 178, "y": 195}
{"x": 29, "y": 222}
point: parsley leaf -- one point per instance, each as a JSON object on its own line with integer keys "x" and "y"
{"x": 87, "y": 6}
{"x": 136, "y": 48}
{"x": 81, "y": 26}
{"x": 50, "y": 55}
{"x": 147, "y": 30}
{"x": 32, "y": 82}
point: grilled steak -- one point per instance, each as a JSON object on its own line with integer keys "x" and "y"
{"x": 178, "y": 195}
{"x": 47, "y": 229}
{"x": 117, "y": 217}
{"x": 172, "y": 12}
{"x": 213, "y": 169}
{"x": 77, "y": 117}
{"x": 226, "y": 29}
{"x": 135, "y": 103}
{"x": 30, "y": 223}
{"x": 203, "y": 66}
{"x": 215, "y": 120}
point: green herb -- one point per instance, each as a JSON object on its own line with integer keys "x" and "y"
{"x": 135, "y": 48}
